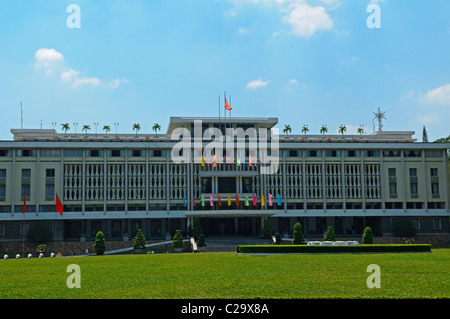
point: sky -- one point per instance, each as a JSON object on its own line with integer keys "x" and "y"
{"x": 306, "y": 62}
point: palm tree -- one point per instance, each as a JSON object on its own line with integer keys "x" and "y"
{"x": 136, "y": 127}
{"x": 360, "y": 130}
{"x": 106, "y": 128}
{"x": 65, "y": 127}
{"x": 156, "y": 128}
{"x": 86, "y": 128}
{"x": 305, "y": 129}
{"x": 323, "y": 129}
{"x": 287, "y": 129}
{"x": 342, "y": 129}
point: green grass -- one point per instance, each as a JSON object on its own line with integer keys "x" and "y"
{"x": 230, "y": 276}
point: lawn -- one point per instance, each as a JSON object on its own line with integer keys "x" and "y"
{"x": 229, "y": 276}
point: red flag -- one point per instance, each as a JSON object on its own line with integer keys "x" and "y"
{"x": 59, "y": 206}
{"x": 227, "y": 106}
{"x": 24, "y": 203}
{"x": 237, "y": 199}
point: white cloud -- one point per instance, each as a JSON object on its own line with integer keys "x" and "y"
{"x": 53, "y": 61}
{"x": 440, "y": 95}
{"x": 305, "y": 20}
{"x": 243, "y": 30}
{"x": 47, "y": 57}
{"x": 256, "y": 84}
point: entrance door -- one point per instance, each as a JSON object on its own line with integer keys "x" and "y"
{"x": 233, "y": 226}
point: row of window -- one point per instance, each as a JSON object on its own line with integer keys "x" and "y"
{"x": 160, "y": 153}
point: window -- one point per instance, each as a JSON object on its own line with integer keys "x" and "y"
{"x": 352, "y": 153}
{"x": 413, "y": 188}
{"x": 413, "y": 172}
{"x": 434, "y": 188}
{"x": 26, "y": 153}
{"x": 3, "y": 172}
{"x": 313, "y": 153}
{"x": 26, "y": 173}
{"x": 73, "y": 153}
{"x": 433, "y": 171}
{"x": 50, "y": 172}
{"x": 50, "y": 153}
{"x": 4, "y": 153}
{"x": 433, "y": 153}
{"x": 2, "y": 192}
{"x": 115, "y": 153}
{"x": 135, "y": 153}
{"x": 25, "y": 190}
{"x": 370, "y": 153}
{"x": 49, "y": 190}
{"x": 392, "y": 188}
{"x": 206, "y": 185}
{"x": 391, "y": 172}
{"x": 93, "y": 153}
{"x": 227, "y": 184}
{"x": 436, "y": 223}
{"x": 332, "y": 153}
{"x": 247, "y": 184}
{"x": 416, "y": 222}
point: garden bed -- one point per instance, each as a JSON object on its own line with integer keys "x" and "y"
{"x": 330, "y": 249}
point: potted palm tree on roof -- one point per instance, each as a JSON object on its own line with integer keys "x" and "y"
{"x": 106, "y": 128}
{"x": 136, "y": 127}
{"x": 287, "y": 129}
{"x": 86, "y": 128}
{"x": 156, "y": 128}
{"x": 65, "y": 127}
{"x": 305, "y": 129}
{"x": 342, "y": 129}
{"x": 323, "y": 129}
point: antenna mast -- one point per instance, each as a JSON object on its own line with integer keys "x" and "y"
{"x": 380, "y": 116}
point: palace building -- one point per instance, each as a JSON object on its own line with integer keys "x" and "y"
{"x": 119, "y": 183}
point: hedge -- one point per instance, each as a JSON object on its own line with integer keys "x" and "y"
{"x": 290, "y": 249}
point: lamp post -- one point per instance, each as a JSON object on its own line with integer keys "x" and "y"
{"x": 116, "y": 125}
{"x": 75, "y": 124}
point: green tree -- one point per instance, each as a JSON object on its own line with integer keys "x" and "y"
{"x": 86, "y": 128}
{"x": 100, "y": 243}
{"x": 342, "y": 129}
{"x": 329, "y": 235}
{"x": 196, "y": 228}
{"x": 65, "y": 127}
{"x": 368, "y": 236}
{"x": 323, "y": 129}
{"x": 139, "y": 241}
{"x": 107, "y": 129}
{"x": 287, "y": 129}
{"x": 177, "y": 241}
{"x": 267, "y": 229}
{"x": 299, "y": 239}
{"x": 305, "y": 129}
{"x": 136, "y": 127}
{"x": 156, "y": 127}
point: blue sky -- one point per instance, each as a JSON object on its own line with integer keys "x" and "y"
{"x": 308, "y": 62}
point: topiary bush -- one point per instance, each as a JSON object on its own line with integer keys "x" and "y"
{"x": 299, "y": 239}
{"x": 177, "y": 240}
{"x": 330, "y": 236}
{"x": 139, "y": 241}
{"x": 368, "y": 236}
{"x": 100, "y": 243}
{"x": 267, "y": 230}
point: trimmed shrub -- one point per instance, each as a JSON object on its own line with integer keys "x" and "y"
{"x": 139, "y": 241}
{"x": 178, "y": 240}
{"x": 368, "y": 236}
{"x": 298, "y": 235}
{"x": 196, "y": 228}
{"x": 100, "y": 243}
{"x": 290, "y": 249}
{"x": 329, "y": 236}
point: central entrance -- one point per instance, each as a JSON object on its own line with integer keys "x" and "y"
{"x": 231, "y": 226}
